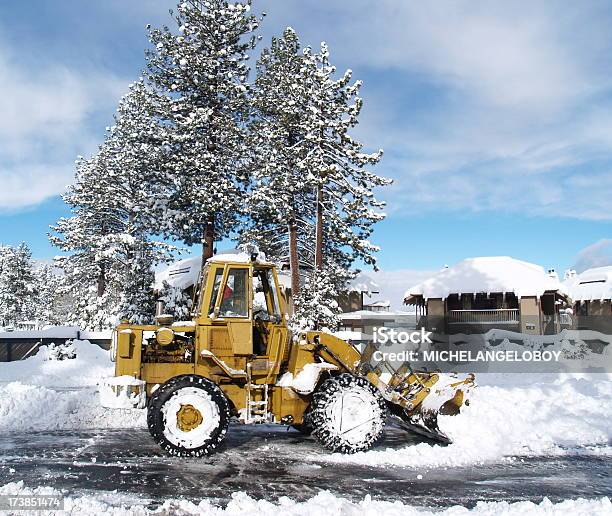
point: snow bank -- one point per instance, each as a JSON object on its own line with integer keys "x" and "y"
{"x": 91, "y": 364}
{"x": 41, "y": 394}
{"x": 31, "y": 408}
{"x": 323, "y": 503}
{"x": 513, "y": 415}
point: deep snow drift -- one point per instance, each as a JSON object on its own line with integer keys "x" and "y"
{"x": 512, "y": 415}
{"x": 324, "y": 503}
{"x": 91, "y": 364}
{"x": 43, "y": 394}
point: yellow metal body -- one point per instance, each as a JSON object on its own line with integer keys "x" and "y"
{"x": 229, "y": 344}
{"x": 221, "y": 346}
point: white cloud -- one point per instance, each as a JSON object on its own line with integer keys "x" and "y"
{"x": 479, "y": 105}
{"x": 45, "y": 123}
{"x": 598, "y": 254}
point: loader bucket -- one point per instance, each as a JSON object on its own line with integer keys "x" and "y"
{"x": 443, "y": 394}
{"x": 416, "y": 398}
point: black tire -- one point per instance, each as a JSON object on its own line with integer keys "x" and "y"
{"x": 202, "y": 397}
{"x": 365, "y": 412}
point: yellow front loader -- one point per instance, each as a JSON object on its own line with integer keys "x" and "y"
{"x": 237, "y": 358}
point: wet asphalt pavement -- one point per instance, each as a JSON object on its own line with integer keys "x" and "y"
{"x": 270, "y": 462}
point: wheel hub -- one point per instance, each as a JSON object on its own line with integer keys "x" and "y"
{"x": 188, "y": 417}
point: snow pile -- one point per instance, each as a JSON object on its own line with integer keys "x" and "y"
{"x": 487, "y": 274}
{"x": 30, "y": 408}
{"x": 322, "y": 503}
{"x": 514, "y": 415}
{"x": 42, "y": 394}
{"x": 91, "y": 364}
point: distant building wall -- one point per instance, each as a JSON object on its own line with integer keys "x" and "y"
{"x": 530, "y": 315}
{"x": 350, "y": 301}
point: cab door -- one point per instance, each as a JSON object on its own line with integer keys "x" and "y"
{"x": 233, "y": 309}
{"x": 270, "y": 326}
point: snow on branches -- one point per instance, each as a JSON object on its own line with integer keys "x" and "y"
{"x": 109, "y": 271}
{"x": 199, "y": 153}
{"x": 202, "y": 73}
{"x": 312, "y": 180}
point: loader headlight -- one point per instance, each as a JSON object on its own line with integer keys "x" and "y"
{"x": 164, "y": 336}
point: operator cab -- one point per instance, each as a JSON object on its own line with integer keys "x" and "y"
{"x": 245, "y": 300}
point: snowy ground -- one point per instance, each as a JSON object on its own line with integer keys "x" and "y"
{"x": 323, "y": 503}
{"x": 522, "y": 438}
{"x": 41, "y": 394}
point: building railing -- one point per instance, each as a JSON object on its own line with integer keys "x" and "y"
{"x": 499, "y": 316}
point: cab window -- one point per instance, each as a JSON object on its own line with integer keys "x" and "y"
{"x": 264, "y": 292}
{"x": 215, "y": 292}
{"x": 234, "y": 297}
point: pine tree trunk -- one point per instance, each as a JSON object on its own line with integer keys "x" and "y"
{"x": 208, "y": 242}
{"x": 294, "y": 265}
{"x": 102, "y": 280}
{"x": 319, "y": 231}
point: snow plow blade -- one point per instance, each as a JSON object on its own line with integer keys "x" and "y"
{"x": 416, "y": 398}
{"x": 446, "y": 395}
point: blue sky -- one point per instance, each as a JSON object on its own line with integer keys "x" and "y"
{"x": 495, "y": 117}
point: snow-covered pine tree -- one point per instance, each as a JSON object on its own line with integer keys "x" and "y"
{"x": 346, "y": 208}
{"x": 51, "y": 307}
{"x": 109, "y": 271}
{"x": 135, "y": 150}
{"x": 18, "y": 289}
{"x": 202, "y": 71}
{"x": 281, "y": 196}
{"x": 311, "y": 175}
{"x": 87, "y": 272}
{"x": 345, "y": 184}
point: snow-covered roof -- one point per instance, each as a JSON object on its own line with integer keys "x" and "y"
{"x": 182, "y": 274}
{"x": 487, "y": 274}
{"x": 590, "y": 285}
{"x": 363, "y": 283}
{"x": 238, "y": 257}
